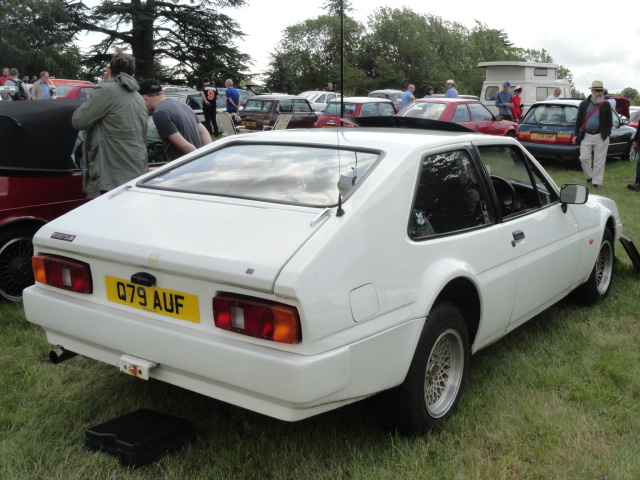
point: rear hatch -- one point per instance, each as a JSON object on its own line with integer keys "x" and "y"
{"x": 548, "y": 123}
{"x": 216, "y": 241}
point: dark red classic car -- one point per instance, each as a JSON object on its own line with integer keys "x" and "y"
{"x": 263, "y": 110}
{"x": 466, "y": 112}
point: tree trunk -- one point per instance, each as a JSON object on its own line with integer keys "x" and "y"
{"x": 142, "y": 38}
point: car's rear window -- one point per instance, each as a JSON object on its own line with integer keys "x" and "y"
{"x": 294, "y": 174}
{"x": 430, "y": 111}
{"x": 556, "y": 115}
{"x": 334, "y": 109}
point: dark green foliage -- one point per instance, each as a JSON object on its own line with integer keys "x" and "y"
{"x": 397, "y": 47}
{"x": 37, "y": 35}
{"x": 195, "y": 38}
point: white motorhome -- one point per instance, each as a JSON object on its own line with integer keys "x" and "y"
{"x": 538, "y": 81}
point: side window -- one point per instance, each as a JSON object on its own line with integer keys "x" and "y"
{"x": 386, "y": 110}
{"x": 616, "y": 119}
{"x": 301, "y": 106}
{"x": 490, "y": 93}
{"x": 461, "y": 114}
{"x": 321, "y": 99}
{"x": 448, "y": 196}
{"x": 286, "y": 106}
{"x": 480, "y": 113}
{"x": 518, "y": 184}
{"x": 369, "y": 110}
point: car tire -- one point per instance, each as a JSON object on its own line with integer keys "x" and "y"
{"x": 597, "y": 287}
{"x": 434, "y": 383}
{"x": 16, "y": 250}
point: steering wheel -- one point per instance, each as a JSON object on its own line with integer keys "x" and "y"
{"x": 508, "y": 208}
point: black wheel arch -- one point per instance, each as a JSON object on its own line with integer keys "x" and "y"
{"x": 462, "y": 293}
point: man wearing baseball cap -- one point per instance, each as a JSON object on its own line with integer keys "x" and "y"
{"x": 451, "y": 90}
{"x": 592, "y": 130}
{"x": 177, "y": 123}
{"x": 504, "y": 103}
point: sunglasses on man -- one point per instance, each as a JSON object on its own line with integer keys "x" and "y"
{"x": 597, "y": 90}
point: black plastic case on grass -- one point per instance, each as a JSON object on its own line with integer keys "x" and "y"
{"x": 140, "y": 437}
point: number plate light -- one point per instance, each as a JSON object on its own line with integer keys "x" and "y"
{"x": 62, "y": 273}
{"x": 257, "y": 318}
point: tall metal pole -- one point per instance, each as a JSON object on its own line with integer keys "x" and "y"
{"x": 341, "y": 61}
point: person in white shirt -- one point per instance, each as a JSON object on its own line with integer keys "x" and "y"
{"x": 556, "y": 94}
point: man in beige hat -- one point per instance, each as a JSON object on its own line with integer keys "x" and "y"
{"x": 592, "y": 131}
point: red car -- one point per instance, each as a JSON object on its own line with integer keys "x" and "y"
{"x": 73, "y": 91}
{"x": 263, "y": 110}
{"x": 355, "y": 107}
{"x": 466, "y": 112}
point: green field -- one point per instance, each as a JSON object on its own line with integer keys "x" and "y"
{"x": 556, "y": 399}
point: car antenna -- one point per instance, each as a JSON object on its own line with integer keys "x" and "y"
{"x": 340, "y": 211}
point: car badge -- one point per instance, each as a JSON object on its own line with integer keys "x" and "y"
{"x": 250, "y": 271}
{"x": 63, "y": 236}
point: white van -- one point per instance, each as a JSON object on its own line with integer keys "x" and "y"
{"x": 538, "y": 81}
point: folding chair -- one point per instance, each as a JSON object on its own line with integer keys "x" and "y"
{"x": 281, "y": 122}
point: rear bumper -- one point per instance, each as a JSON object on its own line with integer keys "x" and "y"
{"x": 560, "y": 152}
{"x": 280, "y": 384}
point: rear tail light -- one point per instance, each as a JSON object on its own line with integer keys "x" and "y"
{"x": 257, "y": 318}
{"x": 62, "y": 273}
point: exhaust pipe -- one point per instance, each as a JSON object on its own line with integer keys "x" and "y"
{"x": 60, "y": 355}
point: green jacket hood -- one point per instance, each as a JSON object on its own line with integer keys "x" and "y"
{"x": 127, "y": 82}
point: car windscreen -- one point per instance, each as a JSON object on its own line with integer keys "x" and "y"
{"x": 334, "y": 109}
{"x": 430, "y": 111}
{"x": 293, "y": 174}
{"x": 552, "y": 115}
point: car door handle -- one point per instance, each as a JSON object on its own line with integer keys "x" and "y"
{"x": 517, "y": 235}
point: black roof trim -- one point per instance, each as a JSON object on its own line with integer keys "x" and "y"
{"x": 408, "y": 122}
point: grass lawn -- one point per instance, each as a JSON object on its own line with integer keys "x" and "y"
{"x": 558, "y": 398}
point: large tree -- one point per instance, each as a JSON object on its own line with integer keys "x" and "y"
{"x": 38, "y": 35}
{"x": 193, "y": 38}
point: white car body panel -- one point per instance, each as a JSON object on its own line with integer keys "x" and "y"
{"x": 362, "y": 292}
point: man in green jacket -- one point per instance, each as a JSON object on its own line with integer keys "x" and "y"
{"x": 115, "y": 119}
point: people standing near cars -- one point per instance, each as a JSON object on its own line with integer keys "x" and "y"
{"x": 451, "y": 90}
{"x": 592, "y": 130}
{"x": 634, "y": 144}
{"x": 115, "y": 120}
{"x": 177, "y": 123}
{"x": 557, "y": 94}
{"x": 504, "y": 103}
{"x": 516, "y": 110}
{"x": 429, "y": 91}
{"x": 22, "y": 92}
{"x": 233, "y": 96}
{"x": 329, "y": 87}
{"x": 40, "y": 89}
{"x": 407, "y": 95}
{"x": 209, "y": 94}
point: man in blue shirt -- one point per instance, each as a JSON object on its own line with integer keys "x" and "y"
{"x": 451, "y": 90}
{"x": 233, "y": 97}
{"x": 407, "y": 96}
{"x": 503, "y": 102}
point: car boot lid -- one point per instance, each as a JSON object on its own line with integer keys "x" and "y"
{"x": 216, "y": 239}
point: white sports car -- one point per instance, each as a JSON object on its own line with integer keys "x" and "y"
{"x": 292, "y": 272}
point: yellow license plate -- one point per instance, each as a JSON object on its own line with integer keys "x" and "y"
{"x": 543, "y": 136}
{"x": 170, "y": 303}
{"x": 328, "y": 126}
{"x": 249, "y": 124}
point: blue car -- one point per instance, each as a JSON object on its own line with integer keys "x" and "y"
{"x": 547, "y": 129}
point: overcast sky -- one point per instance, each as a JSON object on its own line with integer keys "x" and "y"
{"x": 591, "y": 39}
